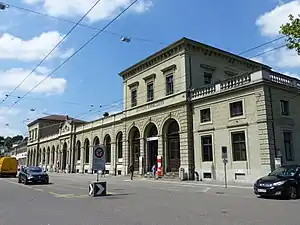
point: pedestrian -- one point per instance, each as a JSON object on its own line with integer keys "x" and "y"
{"x": 154, "y": 171}
{"x": 131, "y": 170}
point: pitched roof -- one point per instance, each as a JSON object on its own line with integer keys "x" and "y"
{"x": 56, "y": 118}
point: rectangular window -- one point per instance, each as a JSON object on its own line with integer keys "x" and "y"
{"x": 205, "y": 115}
{"x": 133, "y": 97}
{"x": 207, "y": 78}
{"x": 150, "y": 92}
{"x": 285, "y": 111}
{"x": 207, "y": 152}
{"x": 236, "y": 109}
{"x": 239, "y": 150}
{"x": 169, "y": 85}
{"x": 287, "y": 140}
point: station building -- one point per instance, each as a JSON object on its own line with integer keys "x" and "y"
{"x": 184, "y": 103}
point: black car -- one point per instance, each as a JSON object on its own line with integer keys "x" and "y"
{"x": 282, "y": 182}
{"x": 33, "y": 175}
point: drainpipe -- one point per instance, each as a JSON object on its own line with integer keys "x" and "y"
{"x": 273, "y": 130}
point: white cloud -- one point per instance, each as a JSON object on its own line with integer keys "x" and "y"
{"x": 271, "y": 21}
{"x": 30, "y": 2}
{"x": 11, "y": 78}
{"x": 6, "y": 117}
{"x": 15, "y": 48}
{"x": 291, "y": 74}
{"x": 282, "y": 58}
{"x": 104, "y": 10}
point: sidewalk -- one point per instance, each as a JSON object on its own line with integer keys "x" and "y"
{"x": 212, "y": 183}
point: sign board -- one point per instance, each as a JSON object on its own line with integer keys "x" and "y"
{"x": 99, "y": 157}
{"x": 97, "y": 189}
{"x": 224, "y": 152}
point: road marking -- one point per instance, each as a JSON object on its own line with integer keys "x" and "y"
{"x": 70, "y": 196}
{"x": 22, "y": 185}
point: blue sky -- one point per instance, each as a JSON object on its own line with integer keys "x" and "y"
{"x": 91, "y": 77}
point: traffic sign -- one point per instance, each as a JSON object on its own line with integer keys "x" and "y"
{"x": 99, "y": 159}
{"x": 224, "y": 152}
{"x": 97, "y": 189}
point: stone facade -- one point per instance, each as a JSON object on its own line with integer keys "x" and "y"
{"x": 19, "y": 150}
{"x": 163, "y": 96}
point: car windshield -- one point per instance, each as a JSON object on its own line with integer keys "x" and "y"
{"x": 285, "y": 171}
{"x": 34, "y": 170}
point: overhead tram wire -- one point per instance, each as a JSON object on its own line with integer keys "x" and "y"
{"x": 61, "y": 101}
{"x": 82, "y": 25}
{"x": 268, "y": 51}
{"x": 118, "y": 34}
{"x": 70, "y": 57}
{"x": 52, "y": 50}
{"x": 261, "y": 45}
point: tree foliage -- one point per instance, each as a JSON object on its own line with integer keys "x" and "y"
{"x": 292, "y": 31}
{"x": 9, "y": 141}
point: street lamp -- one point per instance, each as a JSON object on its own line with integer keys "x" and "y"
{"x": 3, "y": 6}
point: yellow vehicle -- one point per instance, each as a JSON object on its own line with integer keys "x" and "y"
{"x": 8, "y": 166}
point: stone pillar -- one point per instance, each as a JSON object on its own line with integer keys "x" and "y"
{"x": 90, "y": 170}
{"x": 113, "y": 161}
{"x": 143, "y": 154}
{"x": 186, "y": 147}
{"x": 72, "y": 155}
{"x": 55, "y": 159}
{"x": 46, "y": 160}
{"x": 126, "y": 161}
{"x": 81, "y": 169}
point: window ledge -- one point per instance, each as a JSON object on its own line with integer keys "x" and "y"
{"x": 206, "y": 123}
{"x": 237, "y": 117}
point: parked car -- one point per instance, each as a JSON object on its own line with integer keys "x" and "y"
{"x": 33, "y": 175}
{"x": 283, "y": 181}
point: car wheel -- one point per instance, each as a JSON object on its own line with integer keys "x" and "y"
{"x": 293, "y": 192}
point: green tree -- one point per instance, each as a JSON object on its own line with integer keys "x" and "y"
{"x": 292, "y": 32}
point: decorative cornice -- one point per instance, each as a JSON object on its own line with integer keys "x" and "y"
{"x": 169, "y": 68}
{"x": 208, "y": 67}
{"x": 190, "y": 46}
{"x": 134, "y": 84}
{"x": 150, "y": 77}
{"x": 230, "y": 73}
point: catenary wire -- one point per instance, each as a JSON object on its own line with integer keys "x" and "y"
{"x": 261, "y": 45}
{"x": 82, "y": 25}
{"x": 75, "y": 53}
{"x": 60, "y": 101}
{"x": 52, "y": 50}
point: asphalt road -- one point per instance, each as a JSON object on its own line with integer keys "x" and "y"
{"x": 139, "y": 202}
